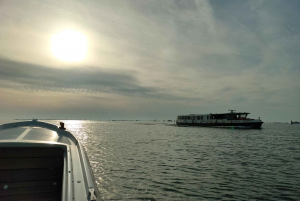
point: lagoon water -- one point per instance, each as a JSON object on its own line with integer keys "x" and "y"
{"x": 144, "y": 160}
{"x": 137, "y": 160}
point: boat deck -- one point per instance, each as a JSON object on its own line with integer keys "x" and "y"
{"x": 31, "y": 173}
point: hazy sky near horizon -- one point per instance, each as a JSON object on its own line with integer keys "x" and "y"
{"x": 151, "y": 59}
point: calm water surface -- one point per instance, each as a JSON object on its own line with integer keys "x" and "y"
{"x": 135, "y": 161}
{"x": 159, "y": 160}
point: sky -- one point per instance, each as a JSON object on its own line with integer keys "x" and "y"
{"x": 151, "y": 59}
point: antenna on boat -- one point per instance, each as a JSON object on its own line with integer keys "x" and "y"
{"x": 231, "y": 111}
{"x": 62, "y": 126}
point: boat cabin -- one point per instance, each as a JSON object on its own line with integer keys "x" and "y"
{"x": 232, "y": 119}
{"x": 228, "y": 116}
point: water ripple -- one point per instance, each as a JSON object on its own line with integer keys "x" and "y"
{"x": 144, "y": 161}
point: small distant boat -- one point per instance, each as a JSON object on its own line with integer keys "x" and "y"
{"x": 295, "y": 122}
{"x": 40, "y": 161}
{"x": 230, "y": 119}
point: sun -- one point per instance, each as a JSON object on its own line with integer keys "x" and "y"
{"x": 69, "y": 45}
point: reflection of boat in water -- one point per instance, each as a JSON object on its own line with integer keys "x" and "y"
{"x": 39, "y": 161}
{"x": 295, "y": 122}
{"x": 231, "y": 119}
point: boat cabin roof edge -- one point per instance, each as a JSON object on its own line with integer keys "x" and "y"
{"x": 227, "y": 113}
{"x": 36, "y": 123}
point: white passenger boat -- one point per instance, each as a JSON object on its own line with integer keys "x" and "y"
{"x": 231, "y": 119}
{"x": 39, "y": 161}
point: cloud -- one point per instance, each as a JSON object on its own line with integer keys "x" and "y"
{"x": 76, "y": 78}
{"x": 91, "y": 80}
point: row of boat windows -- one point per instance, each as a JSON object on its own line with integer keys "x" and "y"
{"x": 193, "y": 117}
{"x": 219, "y": 116}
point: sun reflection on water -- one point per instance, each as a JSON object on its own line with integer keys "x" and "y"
{"x": 78, "y": 129}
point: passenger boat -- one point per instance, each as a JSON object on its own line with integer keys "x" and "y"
{"x": 295, "y": 122}
{"x": 41, "y": 161}
{"x": 230, "y": 119}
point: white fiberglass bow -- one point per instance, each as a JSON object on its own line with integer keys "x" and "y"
{"x": 39, "y": 161}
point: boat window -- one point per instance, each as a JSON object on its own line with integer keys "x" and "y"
{"x": 233, "y": 117}
{"x": 243, "y": 115}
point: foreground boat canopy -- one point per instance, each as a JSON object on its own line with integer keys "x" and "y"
{"x": 41, "y": 161}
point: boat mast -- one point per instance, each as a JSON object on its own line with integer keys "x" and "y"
{"x": 231, "y": 111}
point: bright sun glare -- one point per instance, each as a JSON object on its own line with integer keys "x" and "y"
{"x": 69, "y": 45}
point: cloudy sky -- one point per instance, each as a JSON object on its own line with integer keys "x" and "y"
{"x": 151, "y": 59}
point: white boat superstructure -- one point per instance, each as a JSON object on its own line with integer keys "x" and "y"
{"x": 231, "y": 119}
{"x": 39, "y": 161}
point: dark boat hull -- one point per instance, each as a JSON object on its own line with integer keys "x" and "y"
{"x": 253, "y": 125}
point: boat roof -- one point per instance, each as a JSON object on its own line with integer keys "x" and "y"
{"x": 214, "y": 114}
{"x": 36, "y": 131}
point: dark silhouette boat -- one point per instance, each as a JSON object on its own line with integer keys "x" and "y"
{"x": 230, "y": 119}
